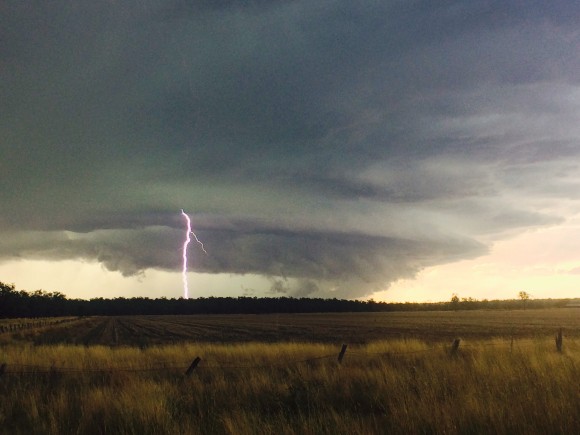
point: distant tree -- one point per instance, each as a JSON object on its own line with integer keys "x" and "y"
{"x": 455, "y": 301}
{"x": 524, "y": 297}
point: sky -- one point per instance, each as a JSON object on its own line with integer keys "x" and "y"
{"x": 395, "y": 150}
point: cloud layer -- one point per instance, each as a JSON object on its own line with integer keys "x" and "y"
{"x": 343, "y": 144}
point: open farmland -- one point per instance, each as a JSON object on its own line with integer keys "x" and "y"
{"x": 325, "y": 328}
{"x": 280, "y": 374}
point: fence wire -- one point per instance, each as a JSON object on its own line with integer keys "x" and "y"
{"x": 160, "y": 366}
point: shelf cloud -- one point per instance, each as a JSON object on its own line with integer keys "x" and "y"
{"x": 333, "y": 146}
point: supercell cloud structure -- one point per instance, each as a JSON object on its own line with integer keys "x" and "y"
{"x": 343, "y": 144}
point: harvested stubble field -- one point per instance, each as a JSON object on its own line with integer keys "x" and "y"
{"x": 280, "y": 374}
{"x": 350, "y": 328}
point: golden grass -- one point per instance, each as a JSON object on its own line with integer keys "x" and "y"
{"x": 393, "y": 386}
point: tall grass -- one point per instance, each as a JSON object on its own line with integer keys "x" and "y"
{"x": 257, "y": 388}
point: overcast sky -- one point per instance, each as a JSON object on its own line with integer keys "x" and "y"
{"x": 322, "y": 148}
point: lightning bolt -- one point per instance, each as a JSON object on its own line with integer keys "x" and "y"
{"x": 184, "y": 255}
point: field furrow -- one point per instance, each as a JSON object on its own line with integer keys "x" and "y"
{"x": 322, "y": 328}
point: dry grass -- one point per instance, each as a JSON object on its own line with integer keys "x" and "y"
{"x": 394, "y": 386}
{"x": 264, "y": 375}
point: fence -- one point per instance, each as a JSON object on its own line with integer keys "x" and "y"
{"x": 33, "y": 323}
{"x": 188, "y": 368}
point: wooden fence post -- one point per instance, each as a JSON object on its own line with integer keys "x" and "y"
{"x": 341, "y": 353}
{"x": 192, "y": 367}
{"x": 559, "y": 341}
{"x": 455, "y": 346}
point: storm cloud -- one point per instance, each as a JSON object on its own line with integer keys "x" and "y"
{"x": 342, "y": 144}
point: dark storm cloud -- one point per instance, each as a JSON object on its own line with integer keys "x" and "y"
{"x": 343, "y": 144}
{"x": 345, "y": 264}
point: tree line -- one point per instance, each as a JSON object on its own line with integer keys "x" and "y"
{"x": 40, "y": 303}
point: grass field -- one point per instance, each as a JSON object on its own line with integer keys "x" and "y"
{"x": 280, "y": 374}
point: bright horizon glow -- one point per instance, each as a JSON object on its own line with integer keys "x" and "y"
{"x": 544, "y": 263}
{"x": 88, "y": 280}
